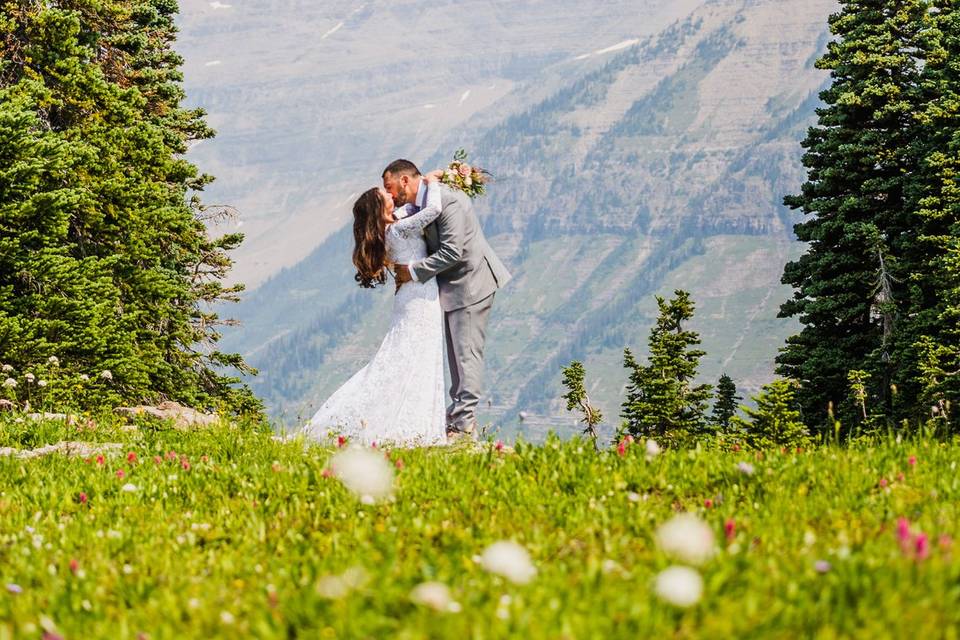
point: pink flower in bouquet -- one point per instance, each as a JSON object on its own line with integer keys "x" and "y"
{"x": 465, "y": 170}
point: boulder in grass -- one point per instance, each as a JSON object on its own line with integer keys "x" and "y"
{"x": 183, "y": 418}
{"x": 66, "y": 447}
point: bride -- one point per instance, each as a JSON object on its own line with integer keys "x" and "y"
{"x": 397, "y": 398}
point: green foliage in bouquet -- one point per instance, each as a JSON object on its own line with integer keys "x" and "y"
{"x": 106, "y": 264}
{"x": 462, "y": 176}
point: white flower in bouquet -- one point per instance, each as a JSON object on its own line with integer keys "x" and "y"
{"x": 364, "y": 472}
{"x": 510, "y": 560}
{"x": 680, "y": 586}
{"x": 686, "y": 537}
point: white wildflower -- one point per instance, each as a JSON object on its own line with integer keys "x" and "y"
{"x": 226, "y": 617}
{"x": 42, "y": 383}
{"x": 680, "y": 586}
{"x": 653, "y": 449}
{"x": 7, "y": 368}
{"x": 129, "y": 487}
{"x": 510, "y": 560}
{"x": 745, "y": 468}
{"x": 85, "y": 377}
{"x": 106, "y": 374}
{"x": 435, "y": 595}
{"x": 364, "y": 472}
{"x": 29, "y": 377}
{"x": 10, "y": 383}
{"x": 53, "y": 361}
{"x": 686, "y": 537}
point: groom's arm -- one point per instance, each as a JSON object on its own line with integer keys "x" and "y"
{"x": 452, "y": 227}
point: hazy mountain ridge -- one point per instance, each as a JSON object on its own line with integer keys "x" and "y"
{"x": 612, "y": 187}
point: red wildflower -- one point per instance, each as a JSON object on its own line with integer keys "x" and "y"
{"x": 730, "y": 529}
{"x": 121, "y": 473}
{"x": 74, "y": 565}
{"x": 399, "y": 463}
{"x": 185, "y": 465}
{"x": 82, "y": 497}
{"x": 171, "y": 455}
{"x": 912, "y": 461}
{"x": 131, "y": 457}
{"x": 708, "y": 503}
{"x": 922, "y": 546}
{"x": 736, "y": 447}
{"x": 622, "y": 448}
{"x": 499, "y": 445}
{"x": 883, "y": 483}
{"x": 341, "y": 441}
{"x": 157, "y": 459}
{"x": 326, "y": 473}
{"x": 100, "y": 459}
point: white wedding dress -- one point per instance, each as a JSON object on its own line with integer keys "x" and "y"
{"x": 397, "y": 399}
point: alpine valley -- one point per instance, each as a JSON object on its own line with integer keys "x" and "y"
{"x": 638, "y": 146}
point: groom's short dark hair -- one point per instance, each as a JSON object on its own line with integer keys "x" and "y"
{"x": 401, "y": 167}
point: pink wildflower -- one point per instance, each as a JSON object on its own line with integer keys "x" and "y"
{"x": 399, "y": 463}
{"x": 922, "y": 546}
{"x": 900, "y": 477}
{"x": 912, "y": 461}
{"x": 157, "y": 459}
{"x": 708, "y": 503}
{"x": 945, "y": 542}
{"x": 121, "y": 473}
{"x": 100, "y": 459}
{"x": 622, "y": 448}
{"x": 82, "y": 497}
{"x": 74, "y": 565}
{"x": 903, "y": 530}
{"x": 185, "y": 465}
{"x": 883, "y": 483}
{"x": 171, "y": 455}
{"x": 131, "y": 457}
{"x": 499, "y": 445}
{"x": 204, "y": 458}
{"x": 326, "y": 473}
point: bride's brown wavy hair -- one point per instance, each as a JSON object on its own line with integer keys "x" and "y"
{"x": 370, "y": 249}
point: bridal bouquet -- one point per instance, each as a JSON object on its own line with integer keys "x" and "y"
{"x": 469, "y": 179}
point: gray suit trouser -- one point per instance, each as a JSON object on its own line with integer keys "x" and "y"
{"x": 466, "y": 332}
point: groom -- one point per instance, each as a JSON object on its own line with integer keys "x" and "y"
{"x": 468, "y": 275}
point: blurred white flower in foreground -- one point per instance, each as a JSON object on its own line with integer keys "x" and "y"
{"x": 129, "y": 487}
{"x": 745, "y": 468}
{"x": 365, "y": 472}
{"x": 435, "y": 595}
{"x": 510, "y": 560}
{"x": 335, "y": 587}
{"x": 686, "y": 537}
{"x": 680, "y": 586}
{"x": 653, "y": 449}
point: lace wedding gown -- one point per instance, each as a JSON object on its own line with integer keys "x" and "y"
{"x": 397, "y": 398}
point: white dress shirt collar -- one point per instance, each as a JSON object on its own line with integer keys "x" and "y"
{"x": 421, "y": 199}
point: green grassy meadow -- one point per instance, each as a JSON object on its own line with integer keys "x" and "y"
{"x": 229, "y": 533}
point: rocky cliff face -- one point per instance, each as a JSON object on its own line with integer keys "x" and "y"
{"x": 628, "y": 161}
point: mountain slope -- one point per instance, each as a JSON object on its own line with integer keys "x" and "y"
{"x": 660, "y": 165}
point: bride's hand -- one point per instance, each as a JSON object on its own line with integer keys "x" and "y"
{"x": 434, "y": 176}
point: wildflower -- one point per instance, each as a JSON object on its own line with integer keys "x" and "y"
{"x": 498, "y": 446}
{"x": 42, "y": 383}
{"x": 821, "y": 566}
{"x": 157, "y": 459}
{"x": 398, "y": 464}
{"x": 363, "y": 472}
{"x": 185, "y": 465}
{"x": 341, "y": 441}
{"x": 7, "y": 368}
{"x": 82, "y": 497}
{"x": 434, "y": 595}
{"x": 121, "y": 473}
{"x": 680, "y": 586}
{"x": 883, "y": 483}
{"x": 912, "y": 461}
{"x": 204, "y": 458}
{"x": 53, "y": 361}
{"x": 653, "y": 449}
{"x": 12, "y": 587}
{"x": 276, "y": 466}
{"x": 903, "y": 530}
{"x": 84, "y": 377}
{"x": 10, "y": 383}
{"x": 30, "y": 377}
{"x": 100, "y": 459}
{"x": 129, "y": 487}
{"x": 708, "y": 503}
{"x": 921, "y": 546}
{"x": 900, "y": 477}
{"x": 326, "y": 473}
{"x": 730, "y": 529}
{"x": 226, "y": 617}
{"x": 745, "y": 468}
{"x": 510, "y": 560}
{"x": 131, "y": 457}
{"x": 74, "y": 565}
{"x": 622, "y": 448}
{"x": 945, "y": 542}
{"x": 171, "y": 455}
{"x": 686, "y": 537}
{"x": 106, "y": 374}
{"x": 735, "y": 448}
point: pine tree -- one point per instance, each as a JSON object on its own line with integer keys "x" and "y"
{"x": 725, "y": 405}
{"x": 105, "y": 258}
{"x": 850, "y": 288}
{"x": 775, "y": 421}
{"x": 662, "y": 401}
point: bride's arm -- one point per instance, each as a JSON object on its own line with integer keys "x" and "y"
{"x": 430, "y": 212}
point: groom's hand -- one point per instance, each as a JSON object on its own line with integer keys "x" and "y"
{"x": 402, "y": 275}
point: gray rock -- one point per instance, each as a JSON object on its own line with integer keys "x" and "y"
{"x": 183, "y": 418}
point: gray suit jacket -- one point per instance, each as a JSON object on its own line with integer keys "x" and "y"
{"x": 466, "y": 268}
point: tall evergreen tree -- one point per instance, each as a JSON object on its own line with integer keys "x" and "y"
{"x": 105, "y": 258}
{"x": 662, "y": 400}
{"x": 775, "y": 422}
{"x": 725, "y": 405}
{"x": 850, "y": 288}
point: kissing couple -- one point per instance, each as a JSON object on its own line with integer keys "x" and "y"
{"x": 446, "y": 275}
